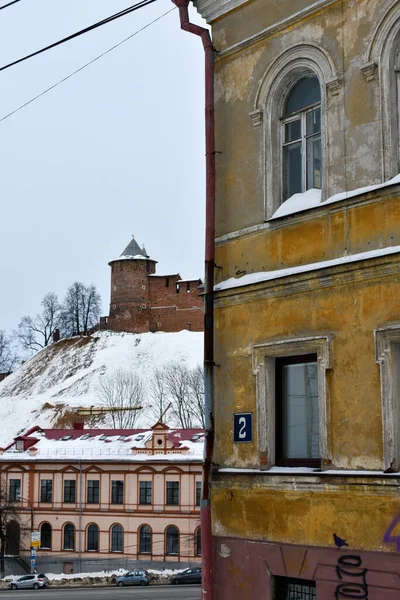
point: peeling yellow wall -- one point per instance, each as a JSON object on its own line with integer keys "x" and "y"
{"x": 344, "y": 30}
{"x": 360, "y": 515}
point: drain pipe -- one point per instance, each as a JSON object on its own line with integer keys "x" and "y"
{"x": 205, "y": 510}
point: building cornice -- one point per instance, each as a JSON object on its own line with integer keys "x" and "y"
{"x": 338, "y": 275}
{"x": 213, "y": 9}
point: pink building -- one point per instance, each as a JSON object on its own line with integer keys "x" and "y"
{"x": 105, "y": 497}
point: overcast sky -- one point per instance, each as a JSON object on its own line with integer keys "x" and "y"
{"x": 116, "y": 150}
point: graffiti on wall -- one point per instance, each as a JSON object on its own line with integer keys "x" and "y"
{"x": 353, "y": 578}
{"x": 389, "y": 538}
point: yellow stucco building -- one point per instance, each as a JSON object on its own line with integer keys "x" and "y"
{"x": 305, "y": 492}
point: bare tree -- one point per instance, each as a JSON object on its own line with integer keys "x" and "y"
{"x": 8, "y": 356}
{"x": 196, "y": 391}
{"x": 177, "y": 383}
{"x": 157, "y": 389}
{"x": 121, "y": 390}
{"x": 10, "y": 527}
{"x": 36, "y": 333}
{"x": 81, "y": 308}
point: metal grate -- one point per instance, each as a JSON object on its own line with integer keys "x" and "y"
{"x": 294, "y": 589}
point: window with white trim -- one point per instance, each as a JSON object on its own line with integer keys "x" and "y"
{"x": 292, "y": 400}
{"x": 301, "y": 138}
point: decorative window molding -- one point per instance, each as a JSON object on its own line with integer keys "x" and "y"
{"x": 387, "y": 356}
{"x": 294, "y": 63}
{"x": 370, "y": 71}
{"x": 381, "y": 59}
{"x": 264, "y": 369}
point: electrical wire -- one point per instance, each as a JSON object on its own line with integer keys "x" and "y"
{"x": 9, "y": 4}
{"x": 122, "y": 13}
{"x": 85, "y": 65}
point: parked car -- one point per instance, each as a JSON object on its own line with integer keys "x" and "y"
{"x": 187, "y": 576}
{"x": 134, "y": 577}
{"x": 34, "y": 581}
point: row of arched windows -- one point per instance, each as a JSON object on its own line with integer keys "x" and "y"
{"x": 145, "y": 539}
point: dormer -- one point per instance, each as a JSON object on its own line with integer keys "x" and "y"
{"x": 159, "y": 442}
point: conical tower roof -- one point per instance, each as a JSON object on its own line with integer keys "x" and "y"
{"x": 133, "y": 249}
{"x": 133, "y": 252}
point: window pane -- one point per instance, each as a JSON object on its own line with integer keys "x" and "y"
{"x": 15, "y": 489}
{"x": 145, "y": 492}
{"x": 293, "y": 131}
{"x": 69, "y": 537}
{"x": 46, "y": 488}
{"x": 45, "y": 536}
{"x": 117, "y": 492}
{"x": 286, "y": 589}
{"x": 292, "y": 170}
{"x": 173, "y": 492}
{"x": 145, "y": 540}
{"x": 305, "y": 92}
{"x": 93, "y": 538}
{"x": 314, "y": 162}
{"x": 198, "y": 493}
{"x": 93, "y": 492}
{"x": 69, "y": 490}
{"x": 300, "y": 436}
{"x": 313, "y": 122}
{"x": 117, "y": 542}
{"x": 172, "y": 546}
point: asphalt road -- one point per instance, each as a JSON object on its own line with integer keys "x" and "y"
{"x": 153, "y": 592}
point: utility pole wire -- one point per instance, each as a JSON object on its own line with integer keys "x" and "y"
{"x": 85, "y": 65}
{"x": 9, "y": 4}
{"x": 122, "y": 13}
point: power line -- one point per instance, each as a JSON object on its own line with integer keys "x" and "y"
{"x": 122, "y": 13}
{"x": 84, "y": 66}
{"x": 9, "y": 4}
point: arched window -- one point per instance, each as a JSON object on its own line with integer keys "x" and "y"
{"x": 45, "y": 536}
{"x": 117, "y": 539}
{"x": 172, "y": 540}
{"x": 145, "y": 539}
{"x": 301, "y": 138}
{"x": 69, "y": 537}
{"x": 93, "y": 538}
{"x": 197, "y": 542}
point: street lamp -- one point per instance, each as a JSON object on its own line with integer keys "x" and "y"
{"x": 33, "y": 548}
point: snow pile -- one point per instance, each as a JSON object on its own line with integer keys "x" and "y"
{"x": 99, "y": 578}
{"x": 66, "y": 375}
{"x": 299, "y": 202}
{"x": 312, "y": 198}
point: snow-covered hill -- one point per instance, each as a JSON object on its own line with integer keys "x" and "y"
{"x": 66, "y": 375}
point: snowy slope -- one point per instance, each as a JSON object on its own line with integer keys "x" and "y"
{"x": 66, "y": 374}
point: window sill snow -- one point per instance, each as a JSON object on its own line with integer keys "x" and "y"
{"x": 312, "y": 198}
{"x": 254, "y": 278}
{"x": 307, "y": 471}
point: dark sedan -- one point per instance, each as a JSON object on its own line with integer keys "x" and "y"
{"x": 187, "y": 576}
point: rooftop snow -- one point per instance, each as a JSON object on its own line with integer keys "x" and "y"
{"x": 106, "y": 444}
{"x": 67, "y": 374}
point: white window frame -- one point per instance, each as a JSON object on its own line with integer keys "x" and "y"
{"x": 294, "y": 63}
{"x": 302, "y": 116}
{"x": 264, "y": 355}
{"x": 387, "y": 356}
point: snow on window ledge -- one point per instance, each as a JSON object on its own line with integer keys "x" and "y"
{"x": 308, "y": 471}
{"x": 299, "y": 202}
{"x": 254, "y": 278}
{"x": 312, "y": 198}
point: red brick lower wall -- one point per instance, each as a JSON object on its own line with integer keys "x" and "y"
{"x": 249, "y": 568}
{"x": 173, "y": 319}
